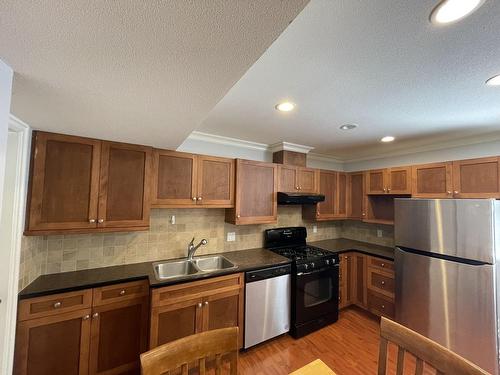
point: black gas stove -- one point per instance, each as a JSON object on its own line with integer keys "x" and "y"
{"x": 315, "y": 279}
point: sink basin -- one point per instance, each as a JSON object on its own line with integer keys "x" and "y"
{"x": 168, "y": 270}
{"x": 213, "y": 263}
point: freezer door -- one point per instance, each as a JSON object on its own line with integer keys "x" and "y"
{"x": 451, "y": 303}
{"x": 462, "y": 228}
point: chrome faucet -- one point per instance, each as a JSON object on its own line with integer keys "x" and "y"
{"x": 192, "y": 248}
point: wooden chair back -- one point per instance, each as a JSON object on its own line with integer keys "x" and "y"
{"x": 195, "y": 349}
{"x": 443, "y": 360}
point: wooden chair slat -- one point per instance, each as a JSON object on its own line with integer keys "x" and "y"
{"x": 202, "y": 366}
{"x": 401, "y": 361}
{"x": 419, "y": 367}
{"x": 218, "y": 364}
{"x": 382, "y": 357}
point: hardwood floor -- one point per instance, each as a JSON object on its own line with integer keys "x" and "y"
{"x": 348, "y": 347}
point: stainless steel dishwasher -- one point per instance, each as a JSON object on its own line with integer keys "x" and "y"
{"x": 267, "y": 304}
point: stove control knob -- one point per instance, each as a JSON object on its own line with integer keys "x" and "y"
{"x": 327, "y": 261}
{"x": 312, "y": 264}
{"x": 306, "y": 266}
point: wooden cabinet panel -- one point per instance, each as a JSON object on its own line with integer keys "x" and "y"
{"x": 64, "y": 181}
{"x": 346, "y": 285}
{"x": 432, "y": 180}
{"x": 355, "y": 195}
{"x": 118, "y": 336}
{"x": 341, "y": 209}
{"x": 53, "y": 345}
{"x": 215, "y": 181}
{"x": 376, "y": 181}
{"x": 124, "y": 197}
{"x": 174, "y": 182}
{"x": 120, "y": 292}
{"x": 327, "y": 187}
{"x": 477, "y": 178}
{"x": 288, "y": 179}
{"x": 54, "y": 304}
{"x": 380, "y": 304}
{"x": 256, "y": 188}
{"x": 399, "y": 180}
{"x": 360, "y": 283}
{"x": 383, "y": 264}
{"x": 307, "y": 180}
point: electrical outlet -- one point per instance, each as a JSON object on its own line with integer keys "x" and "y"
{"x": 231, "y": 236}
{"x": 379, "y": 232}
{"x": 315, "y": 229}
{"x": 172, "y": 219}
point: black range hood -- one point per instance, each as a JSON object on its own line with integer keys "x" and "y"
{"x": 299, "y": 198}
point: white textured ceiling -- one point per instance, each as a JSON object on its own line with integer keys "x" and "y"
{"x": 130, "y": 70}
{"x": 379, "y": 64}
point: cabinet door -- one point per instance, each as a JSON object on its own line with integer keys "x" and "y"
{"x": 308, "y": 180}
{"x": 223, "y": 310}
{"x": 341, "y": 197}
{"x": 288, "y": 179}
{"x": 53, "y": 345}
{"x": 124, "y": 196}
{"x": 356, "y": 193}
{"x": 477, "y": 178}
{"x": 64, "y": 182}
{"x": 172, "y": 322}
{"x": 432, "y": 180}
{"x": 327, "y": 187}
{"x": 376, "y": 181}
{"x": 215, "y": 181}
{"x": 256, "y": 185}
{"x": 174, "y": 181}
{"x": 346, "y": 265}
{"x": 119, "y": 334}
{"x": 399, "y": 180}
{"x": 359, "y": 265}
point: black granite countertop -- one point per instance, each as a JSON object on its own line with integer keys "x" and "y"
{"x": 342, "y": 245}
{"x": 244, "y": 260}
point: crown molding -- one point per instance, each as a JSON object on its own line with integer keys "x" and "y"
{"x": 325, "y": 158}
{"x": 16, "y": 124}
{"x": 228, "y": 141}
{"x": 287, "y": 146}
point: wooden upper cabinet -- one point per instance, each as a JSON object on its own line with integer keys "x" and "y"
{"x": 376, "y": 181}
{"x": 124, "y": 196}
{"x": 477, "y": 178}
{"x": 256, "y": 187}
{"x": 288, "y": 179}
{"x": 327, "y": 187}
{"x": 432, "y": 180}
{"x": 188, "y": 180}
{"x": 64, "y": 182}
{"x": 308, "y": 180}
{"x": 356, "y": 195}
{"x": 341, "y": 209}
{"x": 389, "y": 181}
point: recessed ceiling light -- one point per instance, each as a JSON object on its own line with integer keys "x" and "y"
{"x": 285, "y": 106}
{"x": 388, "y": 138}
{"x": 348, "y": 127}
{"x": 448, "y": 11}
{"x": 494, "y": 81}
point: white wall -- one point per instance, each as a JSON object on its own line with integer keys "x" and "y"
{"x": 5, "y": 94}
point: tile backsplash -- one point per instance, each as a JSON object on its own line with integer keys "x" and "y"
{"x": 164, "y": 240}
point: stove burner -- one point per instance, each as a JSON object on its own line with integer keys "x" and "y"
{"x": 301, "y": 252}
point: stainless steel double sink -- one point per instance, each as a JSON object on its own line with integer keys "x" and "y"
{"x": 185, "y": 267}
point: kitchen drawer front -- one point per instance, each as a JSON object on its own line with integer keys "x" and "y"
{"x": 381, "y": 263}
{"x": 120, "y": 292}
{"x": 380, "y": 305}
{"x": 54, "y": 304}
{"x": 381, "y": 282}
{"x": 196, "y": 289}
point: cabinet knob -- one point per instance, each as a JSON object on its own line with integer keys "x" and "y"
{"x": 91, "y": 221}
{"x": 199, "y": 305}
{"x": 455, "y": 192}
{"x": 448, "y": 192}
{"x": 382, "y": 264}
{"x": 100, "y": 221}
{"x": 363, "y": 214}
{"x": 206, "y": 303}
{"x": 57, "y": 305}
{"x": 300, "y": 187}
{"x": 345, "y": 257}
{"x": 382, "y": 282}
{"x": 388, "y": 190}
{"x": 199, "y": 198}
{"x": 86, "y": 317}
{"x": 122, "y": 292}
{"x": 383, "y": 307}
{"x": 238, "y": 216}
{"x": 95, "y": 315}
{"x": 385, "y": 190}
{"x": 194, "y": 198}
{"x": 296, "y": 187}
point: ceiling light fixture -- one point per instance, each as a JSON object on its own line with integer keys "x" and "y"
{"x": 448, "y": 11}
{"x": 348, "y": 127}
{"x": 285, "y": 106}
{"x": 388, "y": 138}
{"x": 494, "y": 81}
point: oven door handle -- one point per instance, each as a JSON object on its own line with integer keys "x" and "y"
{"x": 315, "y": 271}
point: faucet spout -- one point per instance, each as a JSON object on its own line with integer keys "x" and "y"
{"x": 192, "y": 248}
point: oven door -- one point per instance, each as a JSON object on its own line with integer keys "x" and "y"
{"x": 316, "y": 294}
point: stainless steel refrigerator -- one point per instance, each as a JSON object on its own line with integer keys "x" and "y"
{"x": 447, "y": 274}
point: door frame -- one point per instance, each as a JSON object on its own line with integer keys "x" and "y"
{"x": 19, "y": 208}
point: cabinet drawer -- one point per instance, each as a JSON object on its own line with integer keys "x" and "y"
{"x": 39, "y": 307}
{"x": 381, "y": 282}
{"x": 381, "y": 263}
{"x": 380, "y": 304}
{"x": 196, "y": 289}
{"x": 120, "y": 292}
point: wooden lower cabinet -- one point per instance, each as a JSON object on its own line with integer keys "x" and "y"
{"x": 345, "y": 280}
{"x": 64, "y": 334}
{"x": 181, "y": 310}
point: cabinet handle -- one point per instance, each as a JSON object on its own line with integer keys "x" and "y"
{"x": 100, "y": 221}
{"x": 382, "y": 264}
{"x": 385, "y": 190}
{"x": 199, "y": 198}
{"x": 206, "y": 303}
{"x": 296, "y": 188}
{"x": 86, "y": 317}
{"x": 122, "y": 292}
{"x": 448, "y": 192}
{"x": 382, "y": 282}
{"x": 300, "y": 187}
{"x": 388, "y": 190}
{"x": 95, "y": 315}
{"x": 455, "y": 192}
{"x": 199, "y": 305}
{"x": 194, "y": 198}
{"x": 91, "y": 221}
{"x": 57, "y": 305}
